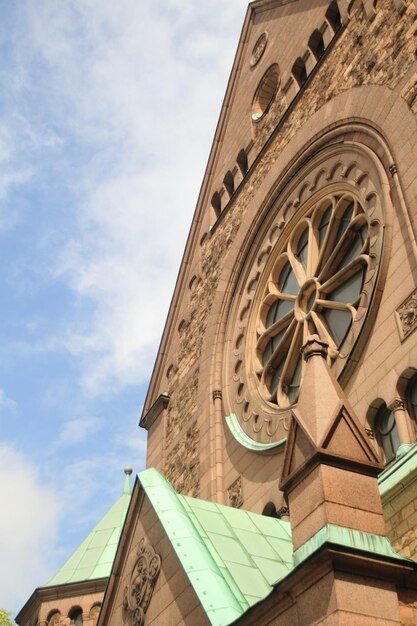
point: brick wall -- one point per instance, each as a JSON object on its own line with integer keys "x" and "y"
{"x": 400, "y": 512}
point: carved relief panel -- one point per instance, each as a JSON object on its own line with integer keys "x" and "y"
{"x": 138, "y": 592}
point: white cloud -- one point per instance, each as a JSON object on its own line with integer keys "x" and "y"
{"x": 28, "y": 524}
{"x": 78, "y": 430}
{"x": 139, "y": 85}
{"x": 6, "y": 402}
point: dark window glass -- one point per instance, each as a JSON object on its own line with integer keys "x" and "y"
{"x": 324, "y": 224}
{"x": 287, "y": 281}
{"x": 349, "y": 291}
{"x": 339, "y": 323}
{"x": 302, "y": 249}
{"x": 412, "y": 398}
{"x": 294, "y": 386}
{"x": 278, "y": 310}
{"x": 345, "y": 221}
{"x": 387, "y": 433}
{"x": 272, "y": 346}
{"x": 356, "y": 245}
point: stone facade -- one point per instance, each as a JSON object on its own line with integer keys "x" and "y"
{"x": 360, "y": 91}
{"x": 182, "y": 464}
{"x": 400, "y": 511}
{"x": 321, "y": 106}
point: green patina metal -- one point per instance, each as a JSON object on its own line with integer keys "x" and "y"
{"x": 232, "y": 558}
{"x": 246, "y": 441}
{"x": 401, "y": 472}
{"x": 348, "y": 538}
{"x": 94, "y": 558}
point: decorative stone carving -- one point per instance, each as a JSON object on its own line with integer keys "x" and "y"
{"x": 138, "y": 592}
{"x": 407, "y": 315}
{"x": 235, "y": 492}
{"x": 283, "y": 511}
{"x": 259, "y": 49}
{"x": 217, "y": 394}
{"x": 370, "y": 432}
{"x": 261, "y": 359}
{"x": 397, "y": 405}
{"x": 393, "y": 169}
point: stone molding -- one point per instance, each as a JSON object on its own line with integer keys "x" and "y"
{"x": 259, "y": 49}
{"x": 155, "y": 411}
{"x": 350, "y": 169}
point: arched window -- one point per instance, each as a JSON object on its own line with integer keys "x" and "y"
{"x": 242, "y": 162}
{"x": 316, "y": 44}
{"x": 270, "y": 510}
{"x": 216, "y": 204}
{"x": 95, "y": 612}
{"x": 54, "y": 618}
{"x": 299, "y": 71}
{"x": 333, "y": 16}
{"x": 412, "y": 397}
{"x": 386, "y": 432}
{"x": 76, "y": 616}
{"x": 229, "y": 184}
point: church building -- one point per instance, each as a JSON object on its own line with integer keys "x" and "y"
{"x": 281, "y": 480}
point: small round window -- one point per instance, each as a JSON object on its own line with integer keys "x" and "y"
{"x": 265, "y": 92}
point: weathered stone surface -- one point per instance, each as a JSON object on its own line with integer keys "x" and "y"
{"x": 182, "y": 464}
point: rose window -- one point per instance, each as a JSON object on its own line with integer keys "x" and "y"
{"x": 315, "y": 286}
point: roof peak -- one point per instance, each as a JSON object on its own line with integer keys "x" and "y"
{"x": 93, "y": 559}
{"x": 126, "y": 488}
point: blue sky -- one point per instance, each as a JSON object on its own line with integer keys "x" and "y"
{"x": 107, "y": 113}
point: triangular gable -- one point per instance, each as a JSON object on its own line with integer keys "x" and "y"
{"x": 324, "y": 427}
{"x": 347, "y": 437}
{"x": 226, "y": 559}
{"x": 236, "y": 132}
{"x": 299, "y": 448}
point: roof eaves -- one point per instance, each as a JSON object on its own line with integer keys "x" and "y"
{"x": 400, "y": 473}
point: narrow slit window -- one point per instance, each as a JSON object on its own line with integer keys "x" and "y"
{"x": 299, "y": 71}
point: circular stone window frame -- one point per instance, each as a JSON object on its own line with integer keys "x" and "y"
{"x": 322, "y": 272}
{"x": 259, "y": 49}
{"x": 340, "y": 168}
{"x": 266, "y": 92}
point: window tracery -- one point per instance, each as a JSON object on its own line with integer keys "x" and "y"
{"x": 312, "y": 265}
{"x": 314, "y": 288}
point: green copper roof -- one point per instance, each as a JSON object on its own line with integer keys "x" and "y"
{"x": 348, "y": 538}
{"x": 231, "y": 557}
{"x": 94, "y": 557}
{"x": 399, "y": 473}
{"x": 246, "y": 441}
